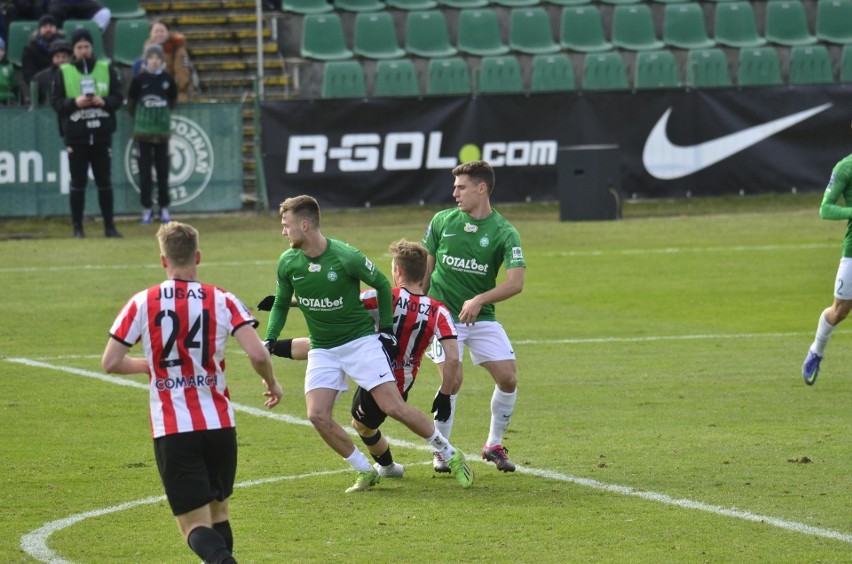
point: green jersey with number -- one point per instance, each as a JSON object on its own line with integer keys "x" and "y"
{"x": 840, "y": 184}
{"x": 327, "y": 290}
{"x": 468, "y": 253}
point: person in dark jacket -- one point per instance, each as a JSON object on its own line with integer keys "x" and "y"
{"x": 86, "y": 94}
{"x": 60, "y": 53}
{"x": 37, "y": 55}
{"x": 150, "y": 101}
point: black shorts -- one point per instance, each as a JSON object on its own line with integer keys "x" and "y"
{"x": 197, "y": 467}
{"x": 365, "y": 409}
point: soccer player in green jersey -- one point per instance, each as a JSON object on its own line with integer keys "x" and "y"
{"x": 325, "y": 275}
{"x": 467, "y": 245}
{"x": 839, "y": 185}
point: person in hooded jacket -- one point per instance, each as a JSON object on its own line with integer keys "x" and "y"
{"x": 175, "y": 56}
{"x": 86, "y": 95}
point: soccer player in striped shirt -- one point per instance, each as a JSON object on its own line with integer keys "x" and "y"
{"x": 183, "y": 326}
{"x": 417, "y": 318}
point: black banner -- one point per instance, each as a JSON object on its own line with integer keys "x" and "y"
{"x": 379, "y": 151}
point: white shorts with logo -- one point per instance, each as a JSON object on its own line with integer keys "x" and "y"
{"x": 487, "y": 340}
{"x": 843, "y": 284}
{"x": 364, "y": 360}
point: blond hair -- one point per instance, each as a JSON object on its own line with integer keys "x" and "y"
{"x": 304, "y": 207}
{"x": 410, "y": 258}
{"x": 178, "y": 243}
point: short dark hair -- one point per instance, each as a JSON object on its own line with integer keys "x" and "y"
{"x": 411, "y": 258}
{"x": 303, "y": 207}
{"x": 479, "y": 171}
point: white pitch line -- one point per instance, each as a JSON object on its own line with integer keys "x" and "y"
{"x": 35, "y": 542}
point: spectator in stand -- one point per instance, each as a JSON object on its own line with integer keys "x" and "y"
{"x": 60, "y": 53}
{"x": 30, "y": 10}
{"x": 176, "y": 57}
{"x": 37, "y": 55}
{"x": 8, "y": 81}
{"x": 80, "y": 10}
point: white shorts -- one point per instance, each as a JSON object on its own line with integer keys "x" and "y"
{"x": 843, "y": 284}
{"x": 487, "y": 340}
{"x": 364, "y": 360}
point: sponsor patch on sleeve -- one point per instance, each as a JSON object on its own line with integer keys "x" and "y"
{"x": 517, "y": 253}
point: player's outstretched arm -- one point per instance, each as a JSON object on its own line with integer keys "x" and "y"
{"x": 260, "y": 361}
{"x": 116, "y": 361}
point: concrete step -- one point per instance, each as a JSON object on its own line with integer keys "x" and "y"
{"x": 194, "y": 5}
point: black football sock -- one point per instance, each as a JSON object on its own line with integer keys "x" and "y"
{"x": 385, "y": 459}
{"x": 209, "y": 545}
{"x": 224, "y": 529}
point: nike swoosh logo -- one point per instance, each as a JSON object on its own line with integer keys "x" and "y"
{"x": 666, "y": 161}
{"x": 297, "y": 278}
{"x": 449, "y": 234}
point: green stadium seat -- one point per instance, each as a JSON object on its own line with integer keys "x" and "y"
{"x": 530, "y": 31}
{"x": 343, "y": 79}
{"x": 427, "y": 35}
{"x": 684, "y": 26}
{"x": 655, "y": 69}
{"x": 633, "y": 28}
{"x": 448, "y": 76}
{"x": 500, "y": 74}
{"x": 736, "y": 26}
{"x": 322, "y": 38}
{"x": 552, "y": 73}
{"x": 359, "y": 5}
{"x": 515, "y": 3}
{"x": 130, "y": 37}
{"x": 617, "y": 2}
{"x": 410, "y": 5}
{"x": 305, "y": 7}
{"x": 463, "y": 4}
{"x": 846, "y": 64}
{"x": 375, "y": 36}
{"x": 810, "y": 64}
{"x": 121, "y": 9}
{"x": 581, "y": 29}
{"x": 569, "y": 2}
{"x": 97, "y": 36}
{"x": 396, "y": 78}
{"x": 479, "y": 33}
{"x": 787, "y": 23}
{"x": 604, "y": 71}
{"x": 759, "y": 66}
{"x": 707, "y": 68}
{"x": 834, "y": 21}
{"x": 671, "y": 1}
{"x": 19, "y": 36}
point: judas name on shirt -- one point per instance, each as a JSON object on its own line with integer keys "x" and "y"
{"x": 181, "y": 293}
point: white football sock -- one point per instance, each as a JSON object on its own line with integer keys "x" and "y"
{"x": 358, "y": 461}
{"x": 446, "y": 427}
{"x": 502, "y": 407}
{"x": 823, "y": 334}
{"x": 441, "y": 445}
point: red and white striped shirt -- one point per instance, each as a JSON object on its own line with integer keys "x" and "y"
{"x": 416, "y": 319}
{"x": 183, "y": 327}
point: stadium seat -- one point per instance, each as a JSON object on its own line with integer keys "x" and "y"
{"x": 552, "y": 73}
{"x": 343, "y": 79}
{"x": 846, "y": 64}
{"x": 569, "y": 2}
{"x": 124, "y": 9}
{"x": 655, "y": 69}
{"x": 633, "y": 28}
{"x": 735, "y": 25}
{"x": 530, "y": 31}
{"x": 787, "y": 23}
{"x": 19, "y": 36}
{"x": 130, "y": 37}
{"x": 479, "y": 33}
{"x": 581, "y": 29}
{"x": 684, "y": 26}
{"x": 620, "y": 1}
{"x": 759, "y": 66}
{"x": 305, "y": 7}
{"x": 359, "y": 5}
{"x": 707, "y": 68}
{"x": 515, "y": 3}
{"x": 463, "y": 4}
{"x": 500, "y": 75}
{"x": 834, "y": 21}
{"x": 97, "y": 37}
{"x": 375, "y": 36}
{"x": 396, "y": 78}
{"x": 448, "y": 76}
{"x": 426, "y": 34}
{"x": 604, "y": 71}
{"x": 810, "y": 64}
{"x": 411, "y": 5}
{"x": 322, "y": 38}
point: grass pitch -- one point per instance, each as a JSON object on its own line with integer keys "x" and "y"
{"x": 661, "y": 412}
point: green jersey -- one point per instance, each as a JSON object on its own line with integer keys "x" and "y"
{"x": 840, "y": 184}
{"x": 327, "y": 290}
{"x": 468, "y": 253}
